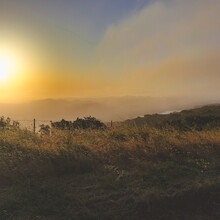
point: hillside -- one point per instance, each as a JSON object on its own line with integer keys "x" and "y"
{"x": 203, "y": 118}
{"x": 106, "y": 108}
{"x": 124, "y": 172}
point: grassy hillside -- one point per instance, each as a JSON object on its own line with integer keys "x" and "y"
{"x": 128, "y": 172}
{"x": 204, "y": 118}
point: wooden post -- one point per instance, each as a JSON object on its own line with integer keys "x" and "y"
{"x": 50, "y": 127}
{"x": 111, "y": 124}
{"x": 34, "y": 125}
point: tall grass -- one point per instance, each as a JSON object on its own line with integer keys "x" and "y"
{"x": 120, "y": 173}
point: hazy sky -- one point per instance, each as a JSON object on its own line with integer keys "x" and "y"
{"x": 83, "y": 48}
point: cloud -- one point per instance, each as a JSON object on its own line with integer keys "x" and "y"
{"x": 170, "y": 47}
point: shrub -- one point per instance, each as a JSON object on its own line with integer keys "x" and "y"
{"x": 62, "y": 125}
{"x": 79, "y": 123}
{"x": 7, "y": 123}
{"x": 44, "y": 129}
{"x": 88, "y": 123}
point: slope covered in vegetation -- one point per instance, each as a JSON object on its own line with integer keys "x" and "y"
{"x": 128, "y": 172}
{"x": 204, "y": 118}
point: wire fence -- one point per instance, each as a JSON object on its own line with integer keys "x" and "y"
{"x": 34, "y": 124}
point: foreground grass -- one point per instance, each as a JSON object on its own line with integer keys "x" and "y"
{"x": 122, "y": 173}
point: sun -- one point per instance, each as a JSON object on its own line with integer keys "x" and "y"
{"x": 6, "y": 65}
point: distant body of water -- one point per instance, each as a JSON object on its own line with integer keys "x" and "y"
{"x": 165, "y": 113}
{"x": 169, "y": 112}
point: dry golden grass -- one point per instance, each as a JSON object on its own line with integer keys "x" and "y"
{"x": 118, "y": 173}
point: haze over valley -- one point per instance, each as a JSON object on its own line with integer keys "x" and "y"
{"x": 105, "y": 109}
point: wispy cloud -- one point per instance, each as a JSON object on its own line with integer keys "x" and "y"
{"x": 162, "y": 48}
{"x": 170, "y": 47}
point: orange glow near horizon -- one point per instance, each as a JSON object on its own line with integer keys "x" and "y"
{"x": 165, "y": 49}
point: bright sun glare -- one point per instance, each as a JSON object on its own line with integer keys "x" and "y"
{"x": 6, "y": 66}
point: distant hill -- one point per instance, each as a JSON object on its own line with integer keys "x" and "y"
{"x": 105, "y": 109}
{"x": 203, "y": 118}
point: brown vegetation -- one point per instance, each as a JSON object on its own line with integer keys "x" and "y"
{"x": 128, "y": 172}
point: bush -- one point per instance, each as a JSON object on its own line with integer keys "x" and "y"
{"x": 79, "y": 123}
{"x": 44, "y": 129}
{"x": 88, "y": 123}
{"x": 62, "y": 125}
{"x": 7, "y": 123}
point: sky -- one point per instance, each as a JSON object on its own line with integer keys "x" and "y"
{"x": 100, "y": 48}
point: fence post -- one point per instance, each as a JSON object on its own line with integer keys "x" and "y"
{"x": 50, "y": 128}
{"x": 34, "y": 125}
